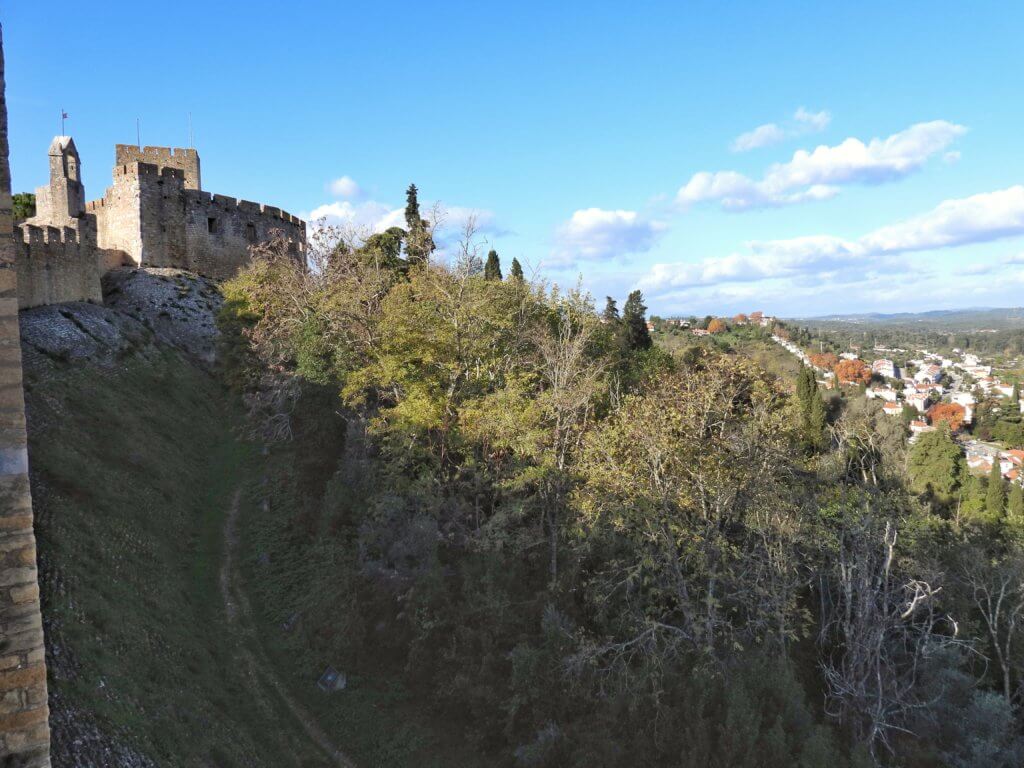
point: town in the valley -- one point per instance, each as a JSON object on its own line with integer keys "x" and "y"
{"x": 923, "y": 388}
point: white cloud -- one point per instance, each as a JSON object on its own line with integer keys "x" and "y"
{"x": 762, "y": 136}
{"x": 346, "y": 188}
{"x": 595, "y": 233}
{"x": 370, "y": 215}
{"x": 818, "y": 174}
{"x": 816, "y": 259}
{"x": 803, "y": 122}
{"x": 815, "y": 121}
{"x": 975, "y": 219}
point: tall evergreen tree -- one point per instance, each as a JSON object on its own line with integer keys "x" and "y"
{"x": 611, "y": 311}
{"x": 995, "y": 497}
{"x": 1015, "y": 504}
{"x": 418, "y": 242}
{"x": 412, "y": 208}
{"x": 634, "y": 318}
{"x": 492, "y": 269}
{"x": 516, "y": 270}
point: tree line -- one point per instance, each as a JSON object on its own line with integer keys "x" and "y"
{"x": 584, "y": 551}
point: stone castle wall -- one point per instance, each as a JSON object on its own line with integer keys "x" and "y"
{"x": 24, "y": 728}
{"x": 219, "y": 231}
{"x": 154, "y": 214}
{"x": 55, "y": 266}
{"x": 185, "y": 160}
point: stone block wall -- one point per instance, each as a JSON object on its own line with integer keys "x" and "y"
{"x": 219, "y": 231}
{"x": 185, "y": 160}
{"x": 24, "y": 726}
{"x": 56, "y": 265}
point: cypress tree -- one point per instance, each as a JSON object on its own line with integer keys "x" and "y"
{"x": 611, "y": 311}
{"x": 516, "y": 270}
{"x": 492, "y": 269}
{"x": 995, "y": 498}
{"x": 418, "y": 242}
{"x": 816, "y": 417}
{"x": 412, "y": 209}
{"x": 635, "y": 321}
{"x": 1015, "y": 503}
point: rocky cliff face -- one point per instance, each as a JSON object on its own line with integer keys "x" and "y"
{"x": 144, "y": 309}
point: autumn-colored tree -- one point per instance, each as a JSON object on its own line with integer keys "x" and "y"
{"x": 740, "y": 319}
{"x": 951, "y": 413}
{"x": 852, "y": 372}
{"x": 716, "y": 326}
{"x": 782, "y": 333}
{"x": 826, "y": 361}
{"x": 756, "y": 316}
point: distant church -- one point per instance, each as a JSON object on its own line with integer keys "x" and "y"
{"x": 155, "y": 215}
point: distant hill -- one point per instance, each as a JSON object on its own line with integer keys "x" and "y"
{"x": 972, "y": 319}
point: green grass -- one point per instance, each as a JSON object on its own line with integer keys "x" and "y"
{"x": 133, "y": 471}
{"x": 377, "y": 720}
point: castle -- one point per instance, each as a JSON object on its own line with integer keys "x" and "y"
{"x": 155, "y": 214}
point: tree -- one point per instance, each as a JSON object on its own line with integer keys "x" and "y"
{"x": 492, "y": 269}
{"x": 1015, "y": 504}
{"x": 811, "y": 407}
{"x": 951, "y": 414}
{"x": 995, "y": 496}
{"x": 740, "y": 319}
{"x": 23, "y": 206}
{"x": 826, "y": 361}
{"x": 419, "y": 243}
{"x": 515, "y": 272}
{"x": 635, "y": 322}
{"x": 717, "y": 326}
{"x": 936, "y": 463}
{"x": 611, "y": 311}
{"x": 852, "y": 372}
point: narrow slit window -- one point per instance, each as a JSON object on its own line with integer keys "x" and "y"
{"x": 211, "y": 225}
{"x": 250, "y": 232}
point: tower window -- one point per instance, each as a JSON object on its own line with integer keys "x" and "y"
{"x": 211, "y": 225}
{"x": 250, "y": 232}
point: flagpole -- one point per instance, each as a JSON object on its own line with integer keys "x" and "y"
{"x": 62, "y": 113}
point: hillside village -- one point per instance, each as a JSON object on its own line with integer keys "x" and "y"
{"x": 929, "y": 390}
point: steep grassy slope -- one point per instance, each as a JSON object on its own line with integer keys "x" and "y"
{"x": 133, "y": 470}
{"x": 136, "y": 462}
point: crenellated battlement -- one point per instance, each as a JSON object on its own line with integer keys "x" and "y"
{"x": 55, "y": 265}
{"x": 184, "y": 160}
{"x": 154, "y": 214}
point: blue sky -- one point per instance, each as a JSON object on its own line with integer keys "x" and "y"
{"x": 798, "y": 158}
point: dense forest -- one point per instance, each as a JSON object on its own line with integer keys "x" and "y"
{"x": 582, "y": 550}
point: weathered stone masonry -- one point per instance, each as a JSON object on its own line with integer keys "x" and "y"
{"x": 24, "y": 730}
{"x": 154, "y": 214}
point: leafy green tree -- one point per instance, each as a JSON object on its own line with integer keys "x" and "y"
{"x": 635, "y": 322}
{"x": 936, "y": 464}
{"x": 515, "y": 272}
{"x": 995, "y": 495}
{"x": 23, "y": 206}
{"x": 492, "y": 268}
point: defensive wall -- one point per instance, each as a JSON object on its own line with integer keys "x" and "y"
{"x": 154, "y": 214}
{"x": 24, "y": 727}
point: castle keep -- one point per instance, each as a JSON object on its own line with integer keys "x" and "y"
{"x": 155, "y": 214}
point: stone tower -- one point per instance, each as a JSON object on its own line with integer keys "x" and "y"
{"x": 24, "y": 730}
{"x": 64, "y": 199}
